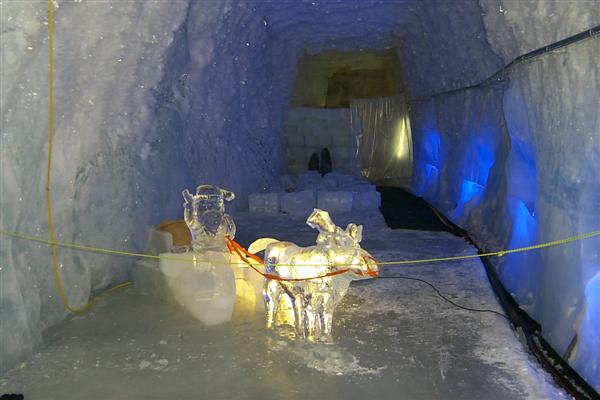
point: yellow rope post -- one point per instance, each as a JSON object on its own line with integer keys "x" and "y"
{"x": 52, "y": 241}
{"x": 61, "y": 290}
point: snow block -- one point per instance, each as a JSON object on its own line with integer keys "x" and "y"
{"x": 263, "y": 203}
{"x": 310, "y": 179}
{"x": 288, "y": 181}
{"x": 361, "y": 187}
{"x": 345, "y": 180}
{"x": 298, "y": 203}
{"x": 366, "y": 200}
{"x": 328, "y": 182}
{"x": 341, "y": 180}
{"x": 335, "y": 202}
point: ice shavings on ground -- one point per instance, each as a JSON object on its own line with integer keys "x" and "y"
{"x": 393, "y": 339}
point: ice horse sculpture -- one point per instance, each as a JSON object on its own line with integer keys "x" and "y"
{"x": 205, "y": 216}
{"x": 337, "y": 259}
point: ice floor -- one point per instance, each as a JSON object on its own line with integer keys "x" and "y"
{"x": 395, "y": 339}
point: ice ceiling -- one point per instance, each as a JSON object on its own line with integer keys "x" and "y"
{"x": 155, "y": 96}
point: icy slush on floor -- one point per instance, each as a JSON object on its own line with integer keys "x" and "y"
{"x": 394, "y": 339}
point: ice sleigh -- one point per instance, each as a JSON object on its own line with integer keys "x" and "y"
{"x": 194, "y": 269}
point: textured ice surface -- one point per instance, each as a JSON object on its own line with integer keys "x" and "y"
{"x": 110, "y": 128}
{"x": 366, "y": 200}
{"x": 337, "y": 179}
{"x": 288, "y": 182}
{"x": 334, "y": 202}
{"x": 150, "y": 97}
{"x": 309, "y": 180}
{"x": 153, "y": 96}
{"x": 307, "y": 131}
{"x": 264, "y": 203}
{"x": 249, "y": 286}
{"x": 515, "y": 164}
{"x": 329, "y": 182}
{"x": 298, "y": 203}
{"x": 202, "y": 283}
{"x": 159, "y": 241}
{"x": 395, "y": 339}
{"x": 359, "y": 186}
{"x": 335, "y": 192}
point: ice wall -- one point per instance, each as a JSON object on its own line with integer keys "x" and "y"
{"x": 517, "y": 163}
{"x": 150, "y": 97}
{"x": 104, "y": 117}
{"x": 234, "y": 135}
{"x": 153, "y": 96}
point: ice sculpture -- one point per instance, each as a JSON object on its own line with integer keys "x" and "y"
{"x": 202, "y": 280}
{"x": 205, "y": 216}
{"x": 249, "y": 286}
{"x": 337, "y": 259}
{"x": 201, "y": 283}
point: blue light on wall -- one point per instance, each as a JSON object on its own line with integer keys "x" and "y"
{"x": 524, "y": 225}
{"x": 468, "y": 191}
{"x": 429, "y": 164}
{"x": 478, "y": 161}
{"x": 588, "y": 361}
{"x": 485, "y": 160}
{"x": 519, "y": 271}
{"x": 429, "y": 182}
{"x": 469, "y": 194}
{"x": 431, "y": 144}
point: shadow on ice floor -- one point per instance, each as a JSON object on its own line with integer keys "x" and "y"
{"x": 394, "y": 339}
{"x": 403, "y": 210}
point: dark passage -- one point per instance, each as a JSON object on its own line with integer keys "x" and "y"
{"x": 403, "y": 210}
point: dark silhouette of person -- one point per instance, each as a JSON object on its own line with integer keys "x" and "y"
{"x": 313, "y": 163}
{"x": 326, "y": 165}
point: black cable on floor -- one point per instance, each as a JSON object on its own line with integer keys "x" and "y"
{"x": 444, "y": 297}
{"x": 552, "y": 362}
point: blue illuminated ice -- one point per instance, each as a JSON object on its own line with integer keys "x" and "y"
{"x": 153, "y": 96}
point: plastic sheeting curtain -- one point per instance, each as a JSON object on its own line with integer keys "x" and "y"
{"x": 384, "y": 141}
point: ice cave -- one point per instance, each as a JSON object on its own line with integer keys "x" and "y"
{"x": 391, "y": 199}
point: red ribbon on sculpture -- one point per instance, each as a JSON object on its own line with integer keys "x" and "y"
{"x": 235, "y": 247}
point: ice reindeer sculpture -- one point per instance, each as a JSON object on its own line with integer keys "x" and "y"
{"x": 316, "y": 278}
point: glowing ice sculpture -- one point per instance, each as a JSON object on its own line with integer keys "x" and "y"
{"x": 202, "y": 281}
{"x": 337, "y": 258}
{"x": 249, "y": 284}
{"x": 205, "y": 216}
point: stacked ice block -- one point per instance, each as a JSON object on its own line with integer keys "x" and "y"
{"x": 298, "y": 195}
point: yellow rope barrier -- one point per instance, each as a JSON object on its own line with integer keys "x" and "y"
{"x": 500, "y": 253}
{"x": 52, "y": 242}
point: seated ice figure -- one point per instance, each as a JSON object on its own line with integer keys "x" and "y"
{"x": 200, "y": 281}
{"x": 337, "y": 259}
{"x": 205, "y": 216}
